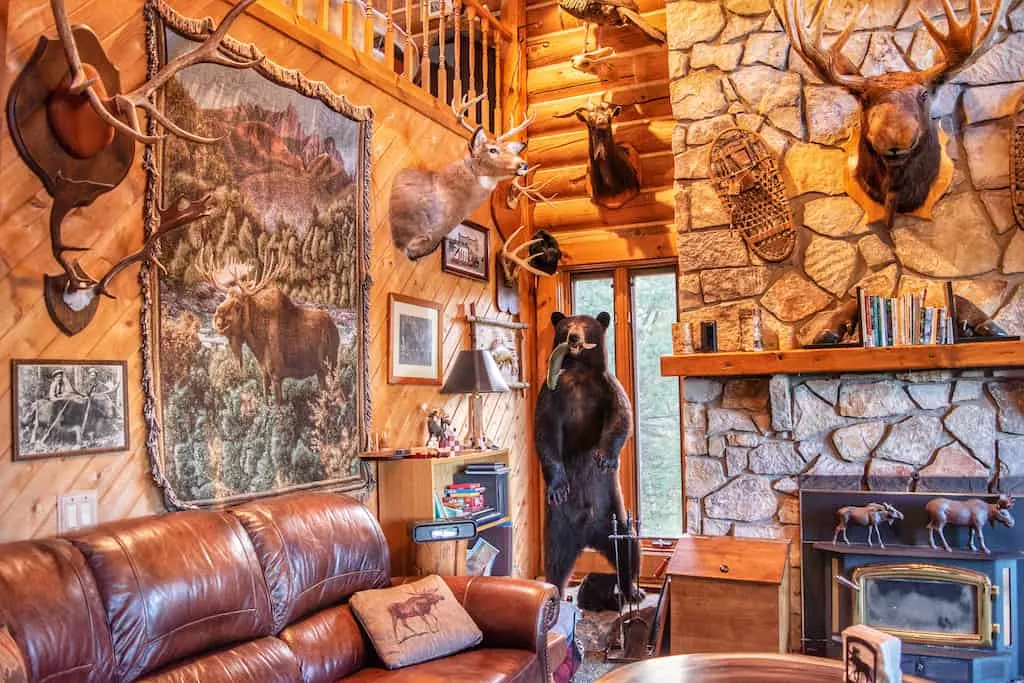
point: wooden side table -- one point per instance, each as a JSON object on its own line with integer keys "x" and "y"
{"x": 729, "y": 595}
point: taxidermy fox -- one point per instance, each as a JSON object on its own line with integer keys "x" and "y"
{"x": 427, "y": 205}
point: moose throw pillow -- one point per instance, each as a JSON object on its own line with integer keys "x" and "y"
{"x": 415, "y": 622}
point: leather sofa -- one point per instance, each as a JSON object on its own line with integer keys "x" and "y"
{"x": 255, "y": 593}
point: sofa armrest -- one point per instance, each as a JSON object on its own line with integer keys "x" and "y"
{"x": 511, "y": 613}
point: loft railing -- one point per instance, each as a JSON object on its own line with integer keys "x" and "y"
{"x": 443, "y": 48}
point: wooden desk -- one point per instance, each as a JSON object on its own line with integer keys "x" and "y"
{"x": 734, "y": 668}
{"x": 728, "y": 595}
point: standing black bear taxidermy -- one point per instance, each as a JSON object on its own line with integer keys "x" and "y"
{"x": 583, "y": 419}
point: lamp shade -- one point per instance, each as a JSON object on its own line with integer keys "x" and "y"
{"x": 474, "y": 372}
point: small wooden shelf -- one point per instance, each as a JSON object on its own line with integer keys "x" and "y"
{"x": 920, "y": 552}
{"x": 824, "y": 361}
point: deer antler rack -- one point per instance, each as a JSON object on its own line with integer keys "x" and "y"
{"x": 73, "y": 297}
{"x": 518, "y": 256}
{"x": 533, "y": 191}
{"x": 120, "y": 111}
{"x": 460, "y": 110}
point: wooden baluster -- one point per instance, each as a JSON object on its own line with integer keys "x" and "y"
{"x": 442, "y": 69}
{"x": 485, "y": 108}
{"x": 408, "y": 40}
{"x": 425, "y": 45}
{"x": 298, "y": 8}
{"x": 457, "y": 25}
{"x": 368, "y": 28}
{"x": 470, "y": 17}
{"x": 389, "y": 38}
{"x": 323, "y": 18}
{"x": 499, "y": 90}
{"x": 346, "y": 22}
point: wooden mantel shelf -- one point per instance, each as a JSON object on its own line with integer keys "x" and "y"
{"x": 827, "y": 361}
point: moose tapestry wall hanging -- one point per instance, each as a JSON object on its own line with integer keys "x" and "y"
{"x": 255, "y": 328}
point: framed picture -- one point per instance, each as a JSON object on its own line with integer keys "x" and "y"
{"x": 65, "y": 407}
{"x": 414, "y": 340}
{"x": 255, "y": 332}
{"x": 466, "y": 251}
{"x": 503, "y": 339}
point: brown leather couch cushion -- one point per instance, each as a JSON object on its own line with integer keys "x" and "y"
{"x": 486, "y": 665}
{"x": 266, "y": 660}
{"x": 328, "y": 645}
{"x": 12, "y": 664}
{"x": 51, "y": 605}
{"x": 176, "y": 585}
{"x": 303, "y": 572}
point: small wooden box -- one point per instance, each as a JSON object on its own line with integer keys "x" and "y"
{"x": 729, "y": 595}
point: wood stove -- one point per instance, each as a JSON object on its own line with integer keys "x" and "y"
{"x": 956, "y": 612}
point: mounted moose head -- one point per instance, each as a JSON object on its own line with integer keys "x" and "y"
{"x": 613, "y": 175}
{"x": 427, "y": 205}
{"x": 77, "y": 131}
{"x": 900, "y": 164}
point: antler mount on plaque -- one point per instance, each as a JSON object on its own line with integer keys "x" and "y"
{"x": 898, "y": 162}
{"x": 76, "y": 129}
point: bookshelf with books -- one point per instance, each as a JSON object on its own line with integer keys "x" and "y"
{"x": 415, "y": 489}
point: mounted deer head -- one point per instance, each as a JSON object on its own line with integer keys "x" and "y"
{"x": 613, "y": 175}
{"x": 426, "y": 205}
{"x": 522, "y": 257}
{"x": 899, "y": 155}
{"x": 77, "y": 131}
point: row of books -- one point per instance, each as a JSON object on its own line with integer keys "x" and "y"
{"x": 464, "y": 500}
{"x": 906, "y": 320}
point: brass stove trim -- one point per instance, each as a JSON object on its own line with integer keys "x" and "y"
{"x": 984, "y": 637}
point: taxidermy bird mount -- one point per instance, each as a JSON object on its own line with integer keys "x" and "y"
{"x": 427, "y": 205}
{"x": 898, "y": 163}
{"x": 613, "y": 170}
{"x": 609, "y": 13}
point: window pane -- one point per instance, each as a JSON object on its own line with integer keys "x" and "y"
{"x": 593, "y": 294}
{"x": 657, "y": 405}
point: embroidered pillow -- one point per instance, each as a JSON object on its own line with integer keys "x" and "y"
{"x": 415, "y": 622}
{"x": 12, "y": 666}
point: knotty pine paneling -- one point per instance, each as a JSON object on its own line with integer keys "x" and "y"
{"x": 113, "y": 226}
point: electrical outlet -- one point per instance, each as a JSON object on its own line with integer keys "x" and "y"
{"x": 76, "y": 510}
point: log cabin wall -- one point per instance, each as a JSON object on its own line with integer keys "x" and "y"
{"x": 402, "y": 136}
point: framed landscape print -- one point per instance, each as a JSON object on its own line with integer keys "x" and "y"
{"x": 255, "y": 331}
{"x": 68, "y": 407}
{"x": 466, "y": 251}
{"x": 414, "y": 340}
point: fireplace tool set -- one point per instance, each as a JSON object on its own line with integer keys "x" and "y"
{"x": 636, "y": 634}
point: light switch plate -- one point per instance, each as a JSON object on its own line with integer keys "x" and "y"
{"x": 76, "y": 510}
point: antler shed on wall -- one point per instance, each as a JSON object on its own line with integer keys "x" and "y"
{"x": 76, "y": 129}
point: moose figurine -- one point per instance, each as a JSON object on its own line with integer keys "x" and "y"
{"x": 870, "y": 515}
{"x": 613, "y": 176}
{"x": 901, "y": 166}
{"x": 972, "y": 513}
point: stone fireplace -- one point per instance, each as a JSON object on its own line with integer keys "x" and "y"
{"x": 749, "y": 441}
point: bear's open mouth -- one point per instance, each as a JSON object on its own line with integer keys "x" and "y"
{"x": 576, "y": 348}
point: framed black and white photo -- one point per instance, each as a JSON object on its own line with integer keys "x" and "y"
{"x": 466, "y": 251}
{"x": 62, "y": 407}
{"x": 414, "y": 340}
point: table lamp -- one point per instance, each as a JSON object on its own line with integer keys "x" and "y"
{"x": 475, "y": 373}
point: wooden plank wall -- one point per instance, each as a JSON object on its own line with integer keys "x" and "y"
{"x": 639, "y": 82}
{"x": 113, "y": 226}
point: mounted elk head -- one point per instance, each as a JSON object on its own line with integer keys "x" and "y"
{"x": 427, "y": 205}
{"x": 613, "y": 175}
{"x": 900, "y": 164}
{"x": 76, "y": 130}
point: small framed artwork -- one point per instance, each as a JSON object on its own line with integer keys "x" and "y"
{"x": 64, "y": 407}
{"x": 414, "y": 340}
{"x": 466, "y": 251}
{"x": 503, "y": 339}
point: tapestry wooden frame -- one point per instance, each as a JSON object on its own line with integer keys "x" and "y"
{"x": 350, "y": 475}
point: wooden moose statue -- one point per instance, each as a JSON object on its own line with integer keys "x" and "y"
{"x": 973, "y": 513}
{"x": 901, "y": 166}
{"x": 870, "y": 515}
{"x": 613, "y": 169}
